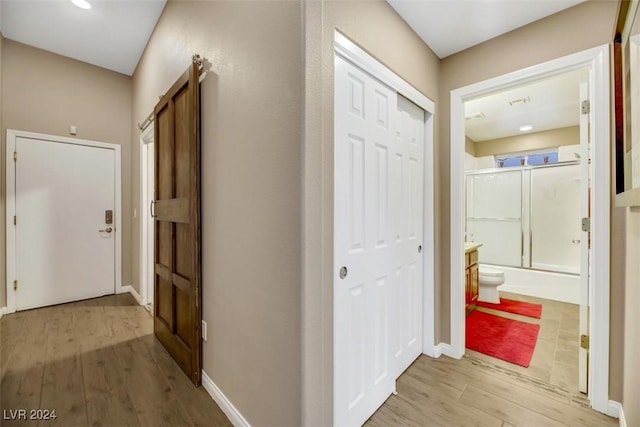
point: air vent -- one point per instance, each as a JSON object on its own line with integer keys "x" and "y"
{"x": 519, "y": 101}
{"x": 474, "y": 116}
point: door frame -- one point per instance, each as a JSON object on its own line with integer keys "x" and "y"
{"x": 597, "y": 60}
{"x": 146, "y": 137}
{"x": 10, "y": 208}
{"x": 355, "y": 55}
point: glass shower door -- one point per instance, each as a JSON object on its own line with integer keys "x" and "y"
{"x": 494, "y": 216}
{"x": 555, "y": 219}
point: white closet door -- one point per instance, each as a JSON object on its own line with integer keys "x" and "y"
{"x": 62, "y": 193}
{"x": 378, "y": 315}
{"x": 365, "y": 111}
{"x": 407, "y": 207}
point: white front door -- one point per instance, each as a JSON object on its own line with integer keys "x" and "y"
{"x": 378, "y": 204}
{"x": 65, "y": 250}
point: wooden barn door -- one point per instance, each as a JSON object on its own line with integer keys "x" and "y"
{"x": 177, "y": 296}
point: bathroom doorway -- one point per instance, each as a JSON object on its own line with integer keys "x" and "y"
{"x": 524, "y": 202}
{"x": 500, "y": 130}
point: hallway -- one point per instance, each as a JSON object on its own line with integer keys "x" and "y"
{"x": 96, "y": 363}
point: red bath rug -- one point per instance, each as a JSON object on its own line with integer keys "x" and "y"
{"x": 506, "y": 339}
{"x": 516, "y": 307}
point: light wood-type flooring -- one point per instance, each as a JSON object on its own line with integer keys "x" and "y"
{"x": 480, "y": 390}
{"x": 96, "y": 363}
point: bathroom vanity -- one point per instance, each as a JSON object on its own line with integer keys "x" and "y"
{"x": 472, "y": 275}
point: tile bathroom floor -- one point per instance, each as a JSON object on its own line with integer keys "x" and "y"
{"x": 555, "y": 359}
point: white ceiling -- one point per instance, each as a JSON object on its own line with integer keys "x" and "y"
{"x": 450, "y": 26}
{"x": 112, "y": 34}
{"x": 552, "y": 103}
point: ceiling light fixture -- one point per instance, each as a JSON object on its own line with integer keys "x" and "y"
{"x": 525, "y": 128}
{"x": 524, "y": 100}
{"x": 82, "y": 4}
{"x": 474, "y": 116}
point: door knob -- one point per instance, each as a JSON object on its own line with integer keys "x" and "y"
{"x": 419, "y": 248}
{"x": 106, "y": 230}
{"x": 343, "y": 272}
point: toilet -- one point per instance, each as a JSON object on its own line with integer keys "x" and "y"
{"x": 488, "y": 282}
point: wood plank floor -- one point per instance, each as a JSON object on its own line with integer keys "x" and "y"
{"x": 96, "y": 363}
{"x": 480, "y": 390}
{"x": 471, "y": 392}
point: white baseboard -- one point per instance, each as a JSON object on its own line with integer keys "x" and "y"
{"x": 225, "y": 404}
{"x": 132, "y": 291}
{"x": 441, "y": 349}
{"x": 3, "y": 311}
{"x": 623, "y": 421}
{"x": 615, "y": 410}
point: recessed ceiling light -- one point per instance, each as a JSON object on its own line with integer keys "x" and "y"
{"x": 525, "y": 128}
{"x": 82, "y": 4}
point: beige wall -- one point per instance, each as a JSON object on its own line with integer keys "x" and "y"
{"x": 631, "y": 395}
{"x": 46, "y": 93}
{"x": 470, "y": 146}
{"x": 581, "y": 27}
{"x": 529, "y": 142}
{"x": 251, "y": 190}
{"x": 375, "y": 27}
{"x": 3, "y": 258}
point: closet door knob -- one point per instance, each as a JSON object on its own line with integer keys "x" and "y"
{"x": 343, "y": 272}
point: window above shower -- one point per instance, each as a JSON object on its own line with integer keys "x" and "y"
{"x": 530, "y": 159}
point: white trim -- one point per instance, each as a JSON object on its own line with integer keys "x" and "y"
{"x": 10, "y": 208}
{"x": 622, "y": 419}
{"x": 3, "y": 311}
{"x": 615, "y": 411}
{"x": 132, "y": 291}
{"x": 628, "y": 23}
{"x": 223, "y": 402}
{"x": 349, "y": 51}
{"x": 440, "y": 349}
{"x": 361, "y": 59}
{"x": 597, "y": 59}
{"x": 146, "y": 137}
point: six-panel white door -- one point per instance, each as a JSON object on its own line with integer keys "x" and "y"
{"x": 377, "y": 235}
{"x": 62, "y": 193}
{"x": 407, "y": 209}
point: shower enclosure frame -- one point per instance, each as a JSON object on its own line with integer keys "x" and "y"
{"x": 526, "y": 215}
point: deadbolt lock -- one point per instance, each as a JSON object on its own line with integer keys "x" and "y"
{"x": 108, "y": 217}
